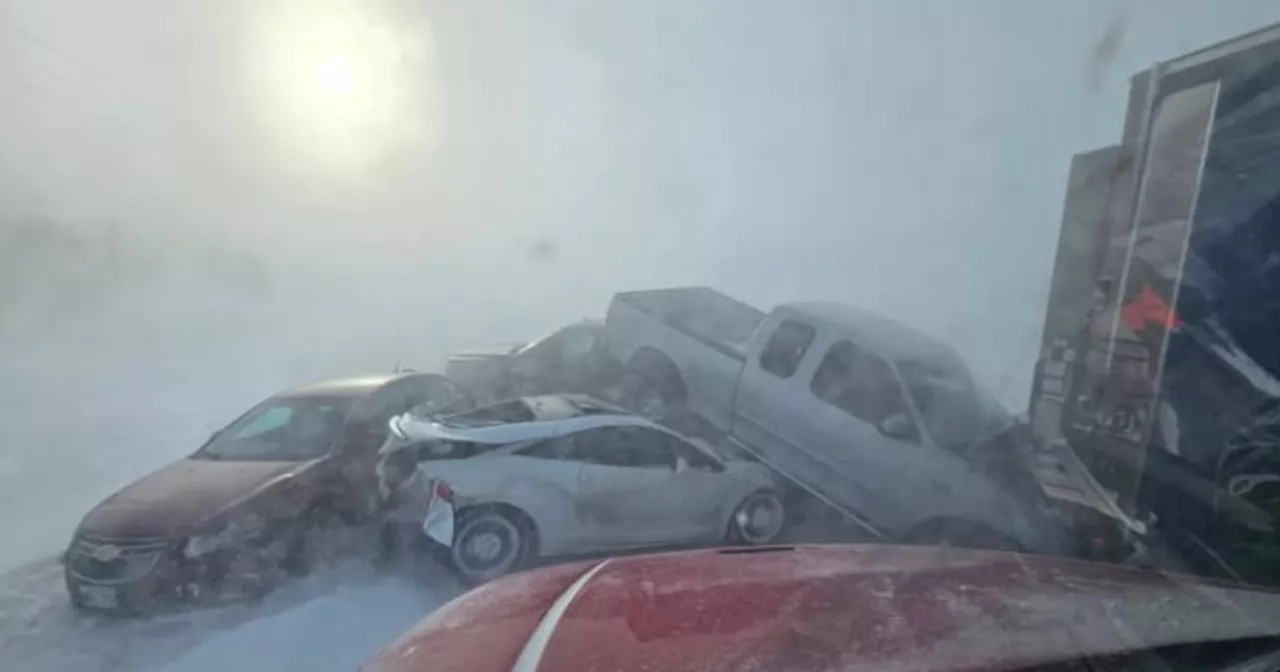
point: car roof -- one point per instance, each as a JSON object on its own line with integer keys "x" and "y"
{"x": 888, "y": 337}
{"x": 352, "y": 386}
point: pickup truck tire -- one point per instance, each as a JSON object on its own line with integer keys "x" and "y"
{"x": 651, "y": 386}
{"x": 759, "y": 519}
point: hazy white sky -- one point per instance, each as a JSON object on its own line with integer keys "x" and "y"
{"x": 906, "y": 156}
{"x": 421, "y": 175}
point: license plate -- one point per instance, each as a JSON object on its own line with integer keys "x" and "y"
{"x": 99, "y": 597}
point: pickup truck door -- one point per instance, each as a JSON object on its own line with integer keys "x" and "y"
{"x": 848, "y": 392}
{"x": 765, "y": 394}
{"x": 775, "y": 408}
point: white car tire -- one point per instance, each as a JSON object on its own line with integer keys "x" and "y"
{"x": 759, "y": 519}
{"x": 489, "y": 543}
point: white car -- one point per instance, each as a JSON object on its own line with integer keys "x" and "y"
{"x": 566, "y": 474}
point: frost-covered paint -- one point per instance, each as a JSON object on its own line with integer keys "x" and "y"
{"x": 826, "y": 608}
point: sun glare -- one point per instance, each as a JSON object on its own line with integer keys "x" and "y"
{"x": 339, "y": 87}
{"x": 334, "y": 74}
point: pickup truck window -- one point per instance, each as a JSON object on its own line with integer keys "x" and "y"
{"x": 858, "y": 383}
{"x": 782, "y": 354}
{"x": 951, "y": 406}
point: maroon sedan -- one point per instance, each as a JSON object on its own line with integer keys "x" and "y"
{"x": 838, "y": 608}
{"x": 251, "y": 504}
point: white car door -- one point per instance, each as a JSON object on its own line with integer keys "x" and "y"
{"x": 707, "y": 494}
{"x": 540, "y": 479}
{"x": 546, "y": 481}
{"x": 629, "y": 493}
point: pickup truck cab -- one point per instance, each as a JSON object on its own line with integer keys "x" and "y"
{"x": 878, "y": 420}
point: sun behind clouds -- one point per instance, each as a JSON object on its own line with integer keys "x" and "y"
{"x": 338, "y": 86}
{"x": 334, "y": 74}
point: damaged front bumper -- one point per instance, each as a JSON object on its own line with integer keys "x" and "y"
{"x": 144, "y": 576}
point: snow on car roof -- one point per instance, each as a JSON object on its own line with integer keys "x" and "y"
{"x": 890, "y": 338}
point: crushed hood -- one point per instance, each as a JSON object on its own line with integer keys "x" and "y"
{"x": 176, "y": 500}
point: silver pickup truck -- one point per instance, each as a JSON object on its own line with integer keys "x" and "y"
{"x": 878, "y": 420}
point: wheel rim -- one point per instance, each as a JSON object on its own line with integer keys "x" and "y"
{"x": 759, "y": 520}
{"x": 488, "y": 547}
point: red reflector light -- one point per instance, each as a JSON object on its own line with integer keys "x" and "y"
{"x": 443, "y": 491}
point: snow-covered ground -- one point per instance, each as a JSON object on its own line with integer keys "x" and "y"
{"x": 335, "y": 629}
{"x": 92, "y": 404}
{"x": 95, "y": 402}
{"x": 331, "y": 621}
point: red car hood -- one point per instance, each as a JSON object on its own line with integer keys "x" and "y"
{"x": 822, "y": 608}
{"x": 179, "y": 498}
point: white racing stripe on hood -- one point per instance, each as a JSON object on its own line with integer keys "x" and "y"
{"x": 531, "y": 654}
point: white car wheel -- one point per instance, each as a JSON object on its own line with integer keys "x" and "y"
{"x": 487, "y": 546}
{"x": 759, "y": 519}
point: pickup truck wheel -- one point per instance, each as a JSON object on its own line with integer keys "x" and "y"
{"x": 759, "y": 519}
{"x": 490, "y": 543}
{"x": 656, "y": 400}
